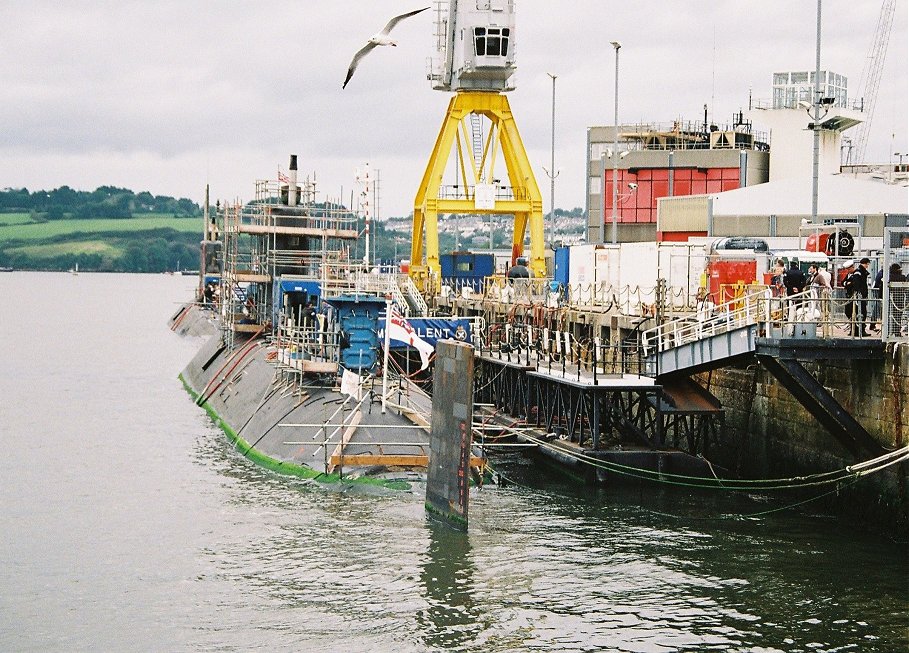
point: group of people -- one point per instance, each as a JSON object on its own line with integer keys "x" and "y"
{"x": 856, "y": 286}
{"x": 855, "y": 283}
{"x": 795, "y": 281}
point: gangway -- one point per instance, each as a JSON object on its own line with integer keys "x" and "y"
{"x": 710, "y": 338}
{"x": 780, "y": 332}
{"x": 412, "y": 296}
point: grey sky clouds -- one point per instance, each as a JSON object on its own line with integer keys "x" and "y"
{"x": 168, "y": 96}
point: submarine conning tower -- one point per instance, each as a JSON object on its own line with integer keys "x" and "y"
{"x": 279, "y": 251}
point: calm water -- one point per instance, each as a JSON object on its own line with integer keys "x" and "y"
{"x": 127, "y": 524}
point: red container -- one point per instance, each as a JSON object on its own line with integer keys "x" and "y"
{"x": 724, "y": 274}
{"x": 817, "y": 242}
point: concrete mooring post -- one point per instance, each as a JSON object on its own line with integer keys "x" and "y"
{"x": 448, "y": 478}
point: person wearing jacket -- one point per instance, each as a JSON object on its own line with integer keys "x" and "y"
{"x": 856, "y": 285}
{"x": 794, "y": 279}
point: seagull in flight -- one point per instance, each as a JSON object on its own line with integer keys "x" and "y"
{"x": 381, "y": 38}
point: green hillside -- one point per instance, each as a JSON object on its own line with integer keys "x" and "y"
{"x": 110, "y": 230}
{"x": 43, "y": 230}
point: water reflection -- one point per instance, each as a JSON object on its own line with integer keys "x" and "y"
{"x": 451, "y": 619}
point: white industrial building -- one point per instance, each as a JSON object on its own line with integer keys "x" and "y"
{"x": 780, "y": 207}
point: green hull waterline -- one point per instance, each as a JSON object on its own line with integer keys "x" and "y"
{"x": 282, "y": 466}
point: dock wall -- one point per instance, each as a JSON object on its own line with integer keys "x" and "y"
{"x": 769, "y": 434}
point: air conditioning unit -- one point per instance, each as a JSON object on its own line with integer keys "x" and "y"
{"x": 728, "y": 140}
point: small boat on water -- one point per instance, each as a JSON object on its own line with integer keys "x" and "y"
{"x": 6, "y": 269}
{"x": 297, "y": 372}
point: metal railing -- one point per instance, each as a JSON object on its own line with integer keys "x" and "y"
{"x": 684, "y": 135}
{"x": 410, "y": 290}
{"x": 602, "y": 297}
{"x": 827, "y": 314}
{"x": 468, "y": 191}
{"x": 561, "y": 352}
{"x": 708, "y": 321}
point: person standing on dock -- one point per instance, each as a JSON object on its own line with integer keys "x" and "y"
{"x": 856, "y": 285}
{"x": 794, "y": 279}
{"x": 519, "y": 270}
{"x": 776, "y": 279}
{"x": 819, "y": 278}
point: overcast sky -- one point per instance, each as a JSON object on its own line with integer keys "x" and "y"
{"x": 167, "y": 96}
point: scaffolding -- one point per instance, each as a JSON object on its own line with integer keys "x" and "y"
{"x": 282, "y": 233}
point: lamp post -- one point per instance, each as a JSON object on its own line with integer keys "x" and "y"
{"x": 815, "y": 126}
{"x": 551, "y": 173}
{"x": 615, "y": 149}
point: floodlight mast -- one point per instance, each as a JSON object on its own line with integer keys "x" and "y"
{"x": 475, "y": 59}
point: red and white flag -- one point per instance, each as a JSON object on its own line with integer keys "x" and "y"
{"x": 401, "y": 330}
{"x": 284, "y": 179}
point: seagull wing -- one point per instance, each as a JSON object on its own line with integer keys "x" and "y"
{"x": 362, "y": 52}
{"x": 397, "y": 19}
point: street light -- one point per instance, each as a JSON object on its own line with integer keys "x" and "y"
{"x": 815, "y": 126}
{"x": 615, "y": 148}
{"x": 552, "y": 173}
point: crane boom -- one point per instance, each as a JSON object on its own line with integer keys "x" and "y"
{"x": 871, "y": 75}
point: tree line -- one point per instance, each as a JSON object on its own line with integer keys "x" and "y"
{"x": 103, "y": 202}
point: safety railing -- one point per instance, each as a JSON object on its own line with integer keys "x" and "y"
{"x": 708, "y": 321}
{"x": 463, "y": 192}
{"x": 358, "y": 280}
{"x": 602, "y": 297}
{"x": 561, "y": 351}
{"x": 412, "y": 293}
{"x": 810, "y": 314}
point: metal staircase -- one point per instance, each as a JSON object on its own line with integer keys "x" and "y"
{"x": 411, "y": 295}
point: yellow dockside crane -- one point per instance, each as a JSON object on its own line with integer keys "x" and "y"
{"x": 475, "y": 59}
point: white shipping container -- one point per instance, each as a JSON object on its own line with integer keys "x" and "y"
{"x": 591, "y": 269}
{"x": 639, "y": 266}
{"x": 629, "y": 273}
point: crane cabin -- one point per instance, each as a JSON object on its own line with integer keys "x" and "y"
{"x": 475, "y": 46}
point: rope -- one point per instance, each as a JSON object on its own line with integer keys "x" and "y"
{"x": 751, "y": 485}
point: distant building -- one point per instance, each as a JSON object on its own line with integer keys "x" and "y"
{"x": 665, "y": 160}
{"x": 700, "y": 159}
